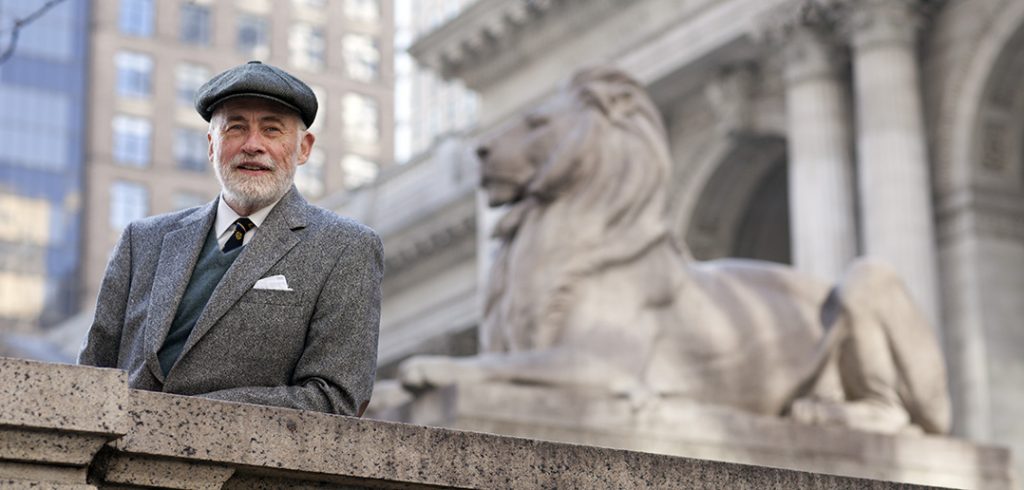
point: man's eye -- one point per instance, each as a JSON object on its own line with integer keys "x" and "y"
{"x": 235, "y": 127}
{"x": 273, "y": 130}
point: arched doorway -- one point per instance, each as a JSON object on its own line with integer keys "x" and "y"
{"x": 743, "y": 209}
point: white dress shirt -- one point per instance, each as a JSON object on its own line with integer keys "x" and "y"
{"x": 226, "y": 217}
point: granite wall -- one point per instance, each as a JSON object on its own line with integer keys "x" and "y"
{"x": 73, "y": 427}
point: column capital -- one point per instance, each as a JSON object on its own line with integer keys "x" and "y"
{"x": 805, "y": 32}
{"x": 779, "y": 24}
{"x": 870, "y": 23}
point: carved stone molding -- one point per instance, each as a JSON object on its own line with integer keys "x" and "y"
{"x": 870, "y": 23}
{"x": 730, "y": 93}
{"x": 431, "y": 242}
{"x": 479, "y": 31}
{"x": 778, "y": 24}
{"x": 985, "y": 211}
{"x": 806, "y": 34}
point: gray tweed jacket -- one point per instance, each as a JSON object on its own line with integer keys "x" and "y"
{"x": 312, "y": 348}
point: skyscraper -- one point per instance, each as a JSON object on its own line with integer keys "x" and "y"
{"x": 42, "y": 114}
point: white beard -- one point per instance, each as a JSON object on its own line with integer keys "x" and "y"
{"x": 253, "y": 192}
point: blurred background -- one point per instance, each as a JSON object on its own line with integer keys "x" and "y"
{"x": 806, "y": 132}
{"x": 97, "y": 126}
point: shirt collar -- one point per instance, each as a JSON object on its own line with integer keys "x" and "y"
{"x": 226, "y": 216}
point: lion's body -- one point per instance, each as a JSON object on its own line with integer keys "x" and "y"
{"x": 589, "y": 289}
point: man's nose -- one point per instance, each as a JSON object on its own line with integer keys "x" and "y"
{"x": 253, "y": 143}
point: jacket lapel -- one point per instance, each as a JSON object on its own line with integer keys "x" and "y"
{"x": 179, "y": 252}
{"x": 274, "y": 238}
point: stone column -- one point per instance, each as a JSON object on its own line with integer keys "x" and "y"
{"x": 821, "y": 209}
{"x": 898, "y": 222}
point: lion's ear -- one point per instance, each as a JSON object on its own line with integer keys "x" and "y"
{"x": 613, "y": 98}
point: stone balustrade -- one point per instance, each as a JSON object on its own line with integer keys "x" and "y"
{"x": 73, "y": 427}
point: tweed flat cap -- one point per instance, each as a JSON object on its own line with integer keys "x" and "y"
{"x": 255, "y": 79}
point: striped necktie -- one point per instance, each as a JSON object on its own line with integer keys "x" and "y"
{"x": 241, "y": 226}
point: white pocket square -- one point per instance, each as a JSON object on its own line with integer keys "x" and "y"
{"x": 275, "y": 283}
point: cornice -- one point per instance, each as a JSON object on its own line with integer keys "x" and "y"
{"x": 478, "y": 31}
{"x": 489, "y": 36}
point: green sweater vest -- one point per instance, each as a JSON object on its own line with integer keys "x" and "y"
{"x": 210, "y": 268}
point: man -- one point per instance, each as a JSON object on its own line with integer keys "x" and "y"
{"x": 258, "y": 296}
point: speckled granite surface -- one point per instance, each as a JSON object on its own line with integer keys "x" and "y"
{"x": 61, "y": 396}
{"x": 57, "y": 415}
{"x": 183, "y": 442}
{"x": 368, "y": 450}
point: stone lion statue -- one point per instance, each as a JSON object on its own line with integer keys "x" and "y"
{"x": 590, "y": 291}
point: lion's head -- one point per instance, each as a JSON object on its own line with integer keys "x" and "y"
{"x": 601, "y": 124}
{"x": 584, "y": 177}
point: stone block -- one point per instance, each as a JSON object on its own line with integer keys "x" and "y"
{"x": 712, "y": 433}
{"x": 173, "y": 441}
{"x": 54, "y": 418}
{"x": 59, "y": 396}
{"x": 306, "y": 450}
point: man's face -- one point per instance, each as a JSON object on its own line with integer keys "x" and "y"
{"x": 255, "y": 147}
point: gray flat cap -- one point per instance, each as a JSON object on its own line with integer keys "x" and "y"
{"x": 255, "y": 79}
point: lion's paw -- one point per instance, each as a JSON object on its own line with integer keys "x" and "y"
{"x": 808, "y": 411}
{"x": 435, "y": 371}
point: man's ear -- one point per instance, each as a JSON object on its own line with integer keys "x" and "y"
{"x": 209, "y": 146}
{"x": 306, "y": 146}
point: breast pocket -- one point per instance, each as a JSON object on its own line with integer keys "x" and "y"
{"x": 273, "y": 297}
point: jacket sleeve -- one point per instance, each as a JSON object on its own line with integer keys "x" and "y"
{"x": 335, "y": 372}
{"x": 101, "y": 345}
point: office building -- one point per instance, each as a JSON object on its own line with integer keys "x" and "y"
{"x": 42, "y": 115}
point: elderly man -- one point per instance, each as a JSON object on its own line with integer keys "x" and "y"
{"x": 258, "y": 296}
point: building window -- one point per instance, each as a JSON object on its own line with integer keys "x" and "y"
{"x": 35, "y": 129}
{"x": 134, "y": 74}
{"x": 129, "y": 201}
{"x": 136, "y": 18}
{"x": 131, "y": 141}
{"x": 361, "y": 119}
{"x": 309, "y": 178}
{"x": 186, "y": 199}
{"x": 252, "y": 36}
{"x": 363, "y": 10}
{"x": 188, "y": 78}
{"x": 306, "y": 47}
{"x": 195, "y": 24}
{"x": 358, "y": 171}
{"x": 191, "y": 150}
{"x": 362, "y": 57}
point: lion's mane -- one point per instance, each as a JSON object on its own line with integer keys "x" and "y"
{"x": 612, "y": 167}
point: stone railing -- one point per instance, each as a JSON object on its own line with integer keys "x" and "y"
{"x": 76, "y": 427}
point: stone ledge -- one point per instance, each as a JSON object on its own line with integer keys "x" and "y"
{"x": 710, "y": 432}
{"x": 185, "y": 442}
{"x": 62, "y": 396}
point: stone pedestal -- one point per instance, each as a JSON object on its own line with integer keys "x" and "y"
{"x": 711, "y": 432}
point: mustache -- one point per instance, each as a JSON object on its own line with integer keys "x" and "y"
{"x": 263, "y": 160}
